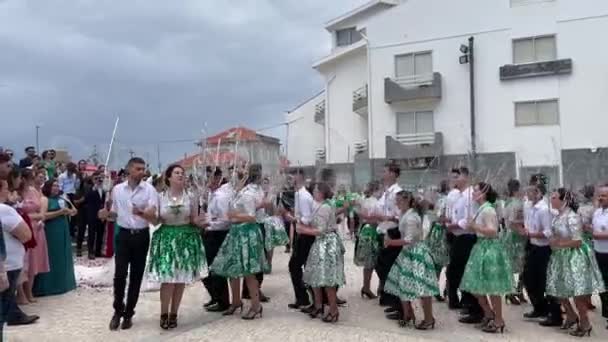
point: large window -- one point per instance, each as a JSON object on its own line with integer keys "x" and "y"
{"x": 415, "y": 122}
{"x": 534, "y": 49}
{"x": 347, "y": 36}
{"x": 413, "y": 65}
{"x": 532, "y": 113}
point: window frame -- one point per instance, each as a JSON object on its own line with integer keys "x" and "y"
{"x": 534, "y": 38}
{"x": 537, "y": 121}
{"x": 352, "y": 32}
{"x": 415, "y": 113}
{"x": 413, "y": 54}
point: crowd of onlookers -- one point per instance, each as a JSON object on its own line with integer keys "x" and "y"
{"x": 45, "y": 205}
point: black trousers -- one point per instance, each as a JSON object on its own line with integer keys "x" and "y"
{"x": 299, "y": 255}
{"x": 460, "y": 250}
{"x": 76, "y": 222}
{"x": 258, "y": 276}
{"x": 96, "y": 230}
{"x": 8, "y": 301}
{"x": 131, "y": 251}
{"x": 216, "y": 286}
{"x": 602, "y": 261}
{"x": 535, "y": 280}
{"x": 386, "y": 259}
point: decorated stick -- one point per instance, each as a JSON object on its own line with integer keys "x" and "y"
{"x": 107, "y": 182}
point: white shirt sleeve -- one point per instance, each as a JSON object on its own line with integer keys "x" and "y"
{"x": 545, "y": 220}
{"x": 306, "y": 204}
{"x": 9, "y": 218}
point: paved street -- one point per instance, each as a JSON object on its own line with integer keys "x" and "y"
{"x": 83, "y": 315}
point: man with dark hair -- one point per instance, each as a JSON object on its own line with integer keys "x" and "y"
{"x": 5, "y": 166}
{"x": 94, "y": 201}
{"x": 134, "y": 206}
{"x": 30, "y": 153}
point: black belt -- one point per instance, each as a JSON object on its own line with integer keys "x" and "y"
{"x": 134, "y": 231}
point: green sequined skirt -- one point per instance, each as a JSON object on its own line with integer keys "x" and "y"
{"x": 275, "y": 234}
{"x": 368, "y": 247}
{"x": 488, "y": 271}
{"x": 436, "y": 241}
{"x": 573, "y": 272}
{"x": 325, "y": 263}
{"x": 242, "y": 252}
{"x": 413, "y": 274}
{"x": 516, "y": 246}
{"x": 177, "y": 255}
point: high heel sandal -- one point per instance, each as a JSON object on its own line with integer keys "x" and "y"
{"x": 493, "y": 328}
{"x": 367, "y": 293}
{"x": 164, "y": 321}
{"x": 331, "y": 318}
{"x": 426, "y": 325}
{"x": 251, "y": 314}
{"x": 484, "y": 322}
{"x": 580, "y": 332}
{"x": 569, "y": 324}
{"x": 316, "y": 312}
{"x": 172, "y": 321}
{"x": 512, "y": 299}
{"x": 232, "y": 309}
{"x": 406, "y": 321}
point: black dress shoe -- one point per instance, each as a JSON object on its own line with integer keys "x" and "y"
{"x": 264, "y": 298}
{"x": 297, "y": 306}
{"x": 308, "y": 310}
{"x": 551, "y": 322}
{"x": 533, "y": 314}
{"x": 217, "y": 308}
{"x": 390, "y": 309}
{"x": 340, "y": 301}
{"x": 454, "y": 306}
{"x": 209, "y": 303}
{"x": 115, "y": 322}
{"x": 394, "y": 316}
{"x": 471, "y": 319}
{"x": 127, "y": 323}
{"x": 25, "y": 320}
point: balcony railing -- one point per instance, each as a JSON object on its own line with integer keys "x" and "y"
{"x": 360, "y": 98}
{"x": 418, "y": 145}
{"x": 415, "y": 87}
{"x": 360, "y": 147}
{"x": 416, "y": 138}
{"x": 320, "y": 113}
{"x": 515, "y": 3}
{"x": 415, "y": 80}
{"x": 320, "y": 154}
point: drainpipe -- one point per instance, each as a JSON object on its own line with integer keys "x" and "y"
{"x": 370, "y": 117}
{"x": 472, "y": 96}
{"x": 327, "y": 128}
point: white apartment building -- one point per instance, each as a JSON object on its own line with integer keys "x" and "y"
{"x": 541, "y": 82}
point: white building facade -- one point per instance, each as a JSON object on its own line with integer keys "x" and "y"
{"x": 540, "y": 88}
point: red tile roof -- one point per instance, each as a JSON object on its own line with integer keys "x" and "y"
{"x": 225, "y": 158}
{"x": 240, "y": 133}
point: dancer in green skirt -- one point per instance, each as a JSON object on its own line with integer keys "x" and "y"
{"x": 242, "y": 252}
{"x": 488, "y": 272}
{"x": 515, "y": 237}
{"x": 177, "y": 255}
{"x": 573, "y": 271}
{"x": 367, "y": 245}
{"x": 436, "y": 240}
{"x": 412, "y": 276}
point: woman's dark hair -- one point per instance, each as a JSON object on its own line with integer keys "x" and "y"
{"x": 169, "y": 172}
{"x": 45, "y": 154}
{"x": 588, "y": 191}
{"x": 13, "y": 175}
{"x": 411, "y": 200}
{"x": 324, "y": 189}
{"x": 489, "y": 192}
{"x": 513, "y": 186}
{"x": 567, "y": 197}
{"x": 372, "y": 187}
{"x": 47, "y": 187}
{"x": 254, "y": 174}
{"x": 444, "y": 187}
{"x": 394, "y": 168}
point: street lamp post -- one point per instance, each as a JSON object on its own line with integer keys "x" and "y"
{"x": 468, "y": 57}
{"x": 37, "y": 139}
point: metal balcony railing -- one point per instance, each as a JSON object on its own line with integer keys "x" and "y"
{"x": 320, "y": 113}
{"x": 415, "y": 80}
{"x": 360, "y": 146}
{"x": 416, "y": 138}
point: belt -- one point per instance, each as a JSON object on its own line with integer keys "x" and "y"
{"x": 135, "y": 231}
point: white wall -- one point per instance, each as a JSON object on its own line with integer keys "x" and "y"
{"x": 305, "y": 136}
{"x": 417, "y": 26}
{"x": 344, "y": 127}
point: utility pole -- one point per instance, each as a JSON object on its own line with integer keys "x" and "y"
{"x": 468, "y": 57}
{"x": 158, "y": 158}
{"x": 37, "y": 139}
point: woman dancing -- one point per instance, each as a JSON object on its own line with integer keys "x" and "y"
{"x": 488, "y": 272}
{"x": 324, "y": 270}
{"x": 515, "y": 238}
{"x": 367, "y": 245}
{"x": 177, "y": 255}
{"x": 437, "y": 237}
{"x": 413, "y": 273}
{"x": 573, "y": 271}
{"x": 242, "y": 252}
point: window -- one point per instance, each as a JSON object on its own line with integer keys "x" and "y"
{"x": 347, "y": 36}
{"x": 532, "y": 113}
{"x": 535, "y": 49}
{"x": 415, "y": 122}
{"x": 413, "y": 64}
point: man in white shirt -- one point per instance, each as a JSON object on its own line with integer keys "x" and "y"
{"x": 538, "y": 226}
{"x": 600, "y": 241}
{"x": 389, "y": 227}
{"x": 463, "y": 208}
{"x": 134, "y": 206}
{"x": 302, "y": 243}
{"x": 216, "y": 226}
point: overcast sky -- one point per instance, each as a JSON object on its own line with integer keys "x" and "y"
{"x": 166, "y": 67}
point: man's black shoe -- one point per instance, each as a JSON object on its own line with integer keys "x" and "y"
{"x": 394, "y": 316}
{"x": 209, "y": 303}
{"x": 551, "y": 322}
{"x": 297, "y": 306}
{"x": 217, "y": 308}
{"x": 471, "y": 319}
{"x": 115, "y": 322}
{"x": 25, "y": 320}
{"x": 127, "y": 323}
{"x": 455, "y": 306}
{"x": 533, "y": 314}
{"x": 340, "y": 301}
{"x": 390, "y": 309}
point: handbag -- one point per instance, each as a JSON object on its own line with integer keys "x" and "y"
{"x": 31, "y": 243}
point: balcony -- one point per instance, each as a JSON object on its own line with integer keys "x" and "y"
{"x": 320, "y": 113}
{"x": 320, "y": 154}
{"x": 360, "y": 101}
{"x": 536, "y": 69}
{"x": 418, "y": 145}
{"x": 417, "y": 87}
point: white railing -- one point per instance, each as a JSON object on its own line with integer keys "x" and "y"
{"x": 360, "y": 146}
{"x": 320, "y": 112}
{"x": 527, "y": 2}
{"x": 416, "y": 138}
{"x": 360, "y": 94}
{"x": 415, "y": 80}
{"x": 320, "y": 153}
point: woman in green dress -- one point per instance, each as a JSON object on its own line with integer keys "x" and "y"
{"x": 515, "y": 237}
{"x": 573, "y": 271}
{"x": 412, "y": 276}
{"x": 324, "y": 269}
{"x": 436, "y": 240}
{"x": 61, "y": 277}
{"x": 488, "y": 272}
{"x": 242, "y": 252}
{"x": 367, "y": 245}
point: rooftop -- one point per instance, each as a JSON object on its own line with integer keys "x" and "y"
{"x": 338, "y": 21}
